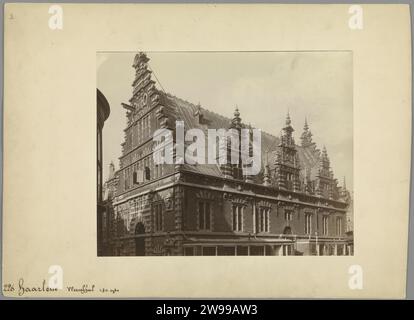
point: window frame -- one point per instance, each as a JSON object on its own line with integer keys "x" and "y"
{"x": 237, "y": 218}
{"x": 325, "y": 225}
{"x": 158, "y": 217}
{"x": 288, "y": 213}
{"x": 308, "y": 223}
{"x": 262, "y": 223}
{"x": 339, "y": 226}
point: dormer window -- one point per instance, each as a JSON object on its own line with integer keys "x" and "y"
{"x": 147, "y": 173}
{"x": 199, "y": 114}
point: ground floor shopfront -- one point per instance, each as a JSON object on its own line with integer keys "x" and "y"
{"x": 182, "y": 245}
{"x": 199, "y": 247}
{"x": 278, "y": 247}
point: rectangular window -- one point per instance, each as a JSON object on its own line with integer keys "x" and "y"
{"x": 209, "y": 251}
{"x": 152, "y": 168}
{"x": 240, "y": 219}
{"x": 207, "y": 215}
{"x": 242, "y": 251}
{"x": 234, "y": 218}
{"x": 204, "y": 215}
{"x": 201, "y": 215}
{"x": 158, "y": 214}
{"x": 127, "y": 178}
{"x": 237, "y": 218}
{"x": 288, "y": 215}
{"x": 308, "y": 223}
{"x": 263, "y": 220}
{"x": 147, "y": 173}
{"x": 139, "y": 132}
{"x": 257, "y": 250}
{"x": 267, "y": 220}
{"x": 144, "y": 128}
{"x": 287, "y": 250}
{"x": 147, "y": 133}
{"x": 325, "y": 225}
{"x": 338, "y": 226}
{"x": 189, "y": 251}
{"x": 149, "y": 124}
{"x": 226, "y": 251}
{"x": 259, "y": 220}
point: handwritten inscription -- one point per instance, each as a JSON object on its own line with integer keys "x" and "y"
{"x": 23, "y": 288}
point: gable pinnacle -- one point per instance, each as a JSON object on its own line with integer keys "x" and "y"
{"x": 236, "y": 121}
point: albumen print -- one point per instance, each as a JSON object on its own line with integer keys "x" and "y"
{"x": 179, "y": 131}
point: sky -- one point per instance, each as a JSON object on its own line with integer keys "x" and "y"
{"x": 316, "y": 85}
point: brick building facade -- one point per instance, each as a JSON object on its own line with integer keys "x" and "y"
{"x": 294, "y": 206}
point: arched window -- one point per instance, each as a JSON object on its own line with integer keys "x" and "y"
{"x": 308, "y": 223}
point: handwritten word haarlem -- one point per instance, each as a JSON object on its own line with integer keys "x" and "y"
{"x": 22, "y": 289}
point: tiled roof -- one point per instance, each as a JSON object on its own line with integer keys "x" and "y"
{"x": 187, "y": 112}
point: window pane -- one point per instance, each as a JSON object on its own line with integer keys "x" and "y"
{"x": 234, "y": 218}
{"x": 226, "y": 251}
{"x": 209, "y": 251}
{"x": 310, "y": 224}
{"x": 155, "y": 217}
{"x": 262, "y": 221}
{"x": 161, "y": 216}
{"x": 189, "y": 251}
{"x": 268, "y": 251}
{"x": 268, "y": 220}
{"x": 256, "y": 250}
{"x": 201, "y": 215}
{"x": 306, "y": 224}
{"x": 242, "y": 251}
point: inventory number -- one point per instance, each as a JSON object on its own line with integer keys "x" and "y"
{"x": 209, "y": 309}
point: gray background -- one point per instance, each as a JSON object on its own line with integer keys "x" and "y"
{"x": 410, "y": 278}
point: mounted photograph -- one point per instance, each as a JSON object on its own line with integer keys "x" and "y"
{"x": 170, "y": 151}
